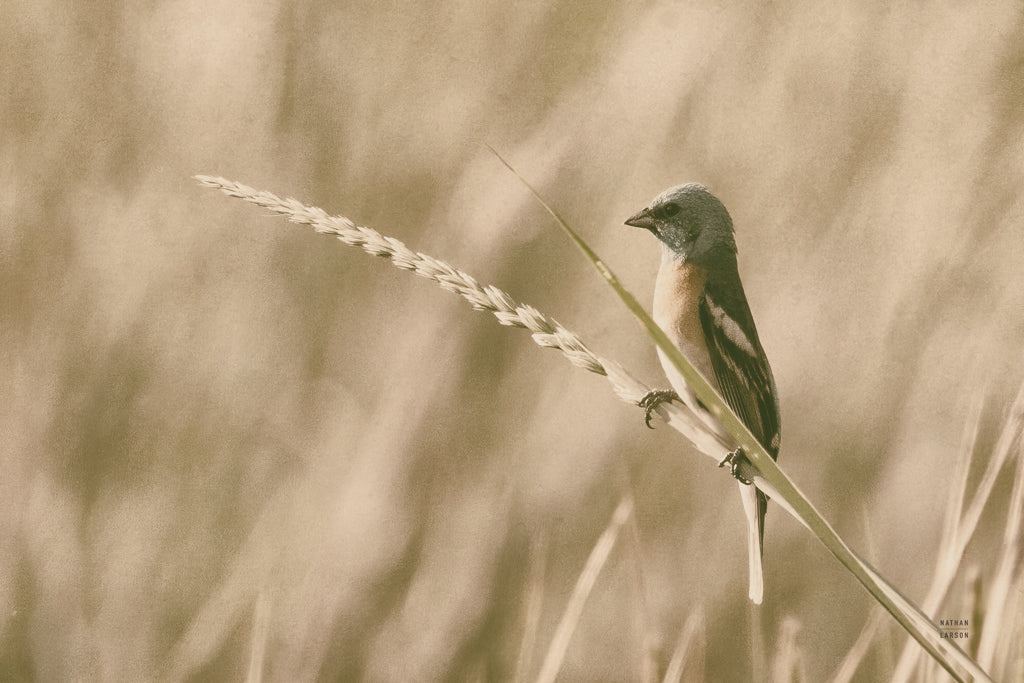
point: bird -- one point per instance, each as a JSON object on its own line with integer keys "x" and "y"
{"x": 700, "y": 304}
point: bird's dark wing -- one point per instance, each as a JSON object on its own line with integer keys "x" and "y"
{"x": 740, "y": 365}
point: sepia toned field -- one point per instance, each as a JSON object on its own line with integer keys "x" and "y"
{"x": 234, "y": 449}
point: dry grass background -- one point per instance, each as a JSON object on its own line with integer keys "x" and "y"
{"x": 218, "y": 425}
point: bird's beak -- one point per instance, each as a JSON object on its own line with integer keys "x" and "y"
{"x": 641, "y": 220}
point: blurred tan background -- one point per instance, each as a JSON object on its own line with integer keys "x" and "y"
{"x": 220, "y": 429}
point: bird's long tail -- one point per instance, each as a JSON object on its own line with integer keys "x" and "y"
{"x": 754, "y": 505}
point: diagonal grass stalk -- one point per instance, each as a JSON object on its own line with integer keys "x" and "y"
{"x": 581, "y": 591}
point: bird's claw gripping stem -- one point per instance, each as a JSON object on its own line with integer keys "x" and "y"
{"x": 733, "y": 461}
{"x": 654, "y": 398}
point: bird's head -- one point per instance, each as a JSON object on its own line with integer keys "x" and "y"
{"x": 690, "y": 222}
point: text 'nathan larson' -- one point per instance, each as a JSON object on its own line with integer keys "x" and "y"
{"x": 953, "y": 628}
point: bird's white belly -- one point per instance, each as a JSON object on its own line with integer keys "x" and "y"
{"x": 699, "y": 359}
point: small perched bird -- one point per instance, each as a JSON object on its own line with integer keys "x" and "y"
{"x": 700, "y": 304}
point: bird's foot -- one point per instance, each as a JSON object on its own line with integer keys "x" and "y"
{"x": 733, "y": 461}
{"x": 653, "y": 399}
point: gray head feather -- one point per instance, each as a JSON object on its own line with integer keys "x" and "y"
{"x": 691, "y": 222}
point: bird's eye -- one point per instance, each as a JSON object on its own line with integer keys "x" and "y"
{"x": 670, "y": 210}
